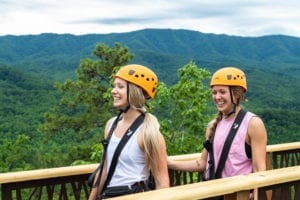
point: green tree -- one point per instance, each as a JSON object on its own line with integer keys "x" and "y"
{"x": 85, "y": 106}
{"x": 16, "y": 156}
{"x": 78, "y": 120}
{"x": 182, "y": 109}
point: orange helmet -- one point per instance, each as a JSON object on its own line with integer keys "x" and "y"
{"x": 229, "y": 76}
{"x": 140, "y": 76}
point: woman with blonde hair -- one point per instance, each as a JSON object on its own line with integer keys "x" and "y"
{"x": 145, "y": 150}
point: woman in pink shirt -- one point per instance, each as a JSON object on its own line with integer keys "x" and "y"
{"x": 247, "y": 152}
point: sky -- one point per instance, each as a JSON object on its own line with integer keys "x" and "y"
{"x": 231, "y": 17}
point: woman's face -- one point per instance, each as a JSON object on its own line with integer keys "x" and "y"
{"x": 119, "y": 93}
{"x": 221, "y": 98}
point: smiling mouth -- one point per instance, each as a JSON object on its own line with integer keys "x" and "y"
{"x": 116, "y": 98}
{"x": 220, "y": 103}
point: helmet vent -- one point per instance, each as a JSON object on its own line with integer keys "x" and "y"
{"x": 140, "y": 76}
{"x": 229, "y": 76}
{"x": 131, "y": 72}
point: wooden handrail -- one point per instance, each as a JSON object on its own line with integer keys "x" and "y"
{"x": 83, "y": 169}
{"x": 270, "y": 149}
{"x": 71, "y": 182}
{"x": 46, "y": 173}
{"x": 241, "y": 185}
{"x": 283, "y": 147}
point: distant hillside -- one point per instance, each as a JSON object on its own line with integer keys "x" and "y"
{"x": 24, "y": 98}
{"x": 30, "y": 64}
{"x": 271, "y": 62}
{"x": 60, "y": 53}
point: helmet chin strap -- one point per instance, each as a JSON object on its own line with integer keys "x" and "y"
{"x": 125, "y": 109}
{"x": 128, "y": 105}
{"x": 234, "y": 104}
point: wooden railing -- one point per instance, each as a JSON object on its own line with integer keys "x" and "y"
{"x": 237, "y": 187}
{"x": 71, "y": 182}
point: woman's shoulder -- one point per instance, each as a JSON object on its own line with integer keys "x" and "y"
{"x": 111, "y": 119}
{"x": 255, "y": 120}
{"x": 209, "y": 127}
{"x": 109, "y": 123}
{"x": 256, "y": 127}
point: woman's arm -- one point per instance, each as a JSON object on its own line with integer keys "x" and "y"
{"x": 95, "y": 191}
{"x": 195, "y": 165}
{"x": 258, "y": 141}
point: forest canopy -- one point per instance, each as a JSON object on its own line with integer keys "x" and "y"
{"x": 58, "y": 116}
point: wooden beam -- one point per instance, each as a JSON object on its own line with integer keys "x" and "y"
{"x": 46, "y": 173}
{"x": 238, "y": 184}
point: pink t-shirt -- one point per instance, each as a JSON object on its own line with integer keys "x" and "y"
{"x": 237, "y": 162}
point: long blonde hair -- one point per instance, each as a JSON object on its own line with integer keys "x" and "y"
{"x": 150, "y": 129}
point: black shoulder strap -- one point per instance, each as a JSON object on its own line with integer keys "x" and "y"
{"x": 120, "y": 146}
{"x": 235, "y": 126}
{"x": 105, "y": 142}
{"x": 211, "y": 161}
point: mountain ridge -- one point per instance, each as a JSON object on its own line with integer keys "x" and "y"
{"x": 57, "y": 56}
{"x": 190, "y": 45}
{"x": 29, "y": 66}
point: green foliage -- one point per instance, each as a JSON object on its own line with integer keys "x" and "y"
{"x": 185, "y": 103}
{"x": 24, "y": 98}
{"x": 282, "y": 125}
{"x": 76, "y": 123}
{"x": 84, "y": 106}
{"x": 16, "y": 155}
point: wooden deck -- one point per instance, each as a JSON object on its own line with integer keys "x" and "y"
{"x": 71, "y": 182}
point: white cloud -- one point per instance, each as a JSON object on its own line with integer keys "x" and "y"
{"x": 233, "y": 17}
